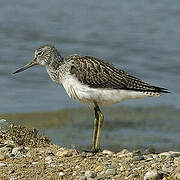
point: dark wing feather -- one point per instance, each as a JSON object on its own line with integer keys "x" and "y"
{"x": 98, "y": 74}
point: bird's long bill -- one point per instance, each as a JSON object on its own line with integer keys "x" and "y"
{"x": 30, "y": 64}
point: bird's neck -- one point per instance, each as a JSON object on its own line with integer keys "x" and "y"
{"x": 53, "y": 69}
{"x": 56, "y": 61}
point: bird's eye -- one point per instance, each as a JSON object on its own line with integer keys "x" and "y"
{"x": 39, "y": 53}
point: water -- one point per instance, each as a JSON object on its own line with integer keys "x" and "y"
{"x": 140, "y": 37}
{"x": 124, "y": 127}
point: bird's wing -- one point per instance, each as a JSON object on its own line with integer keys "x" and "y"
{"x": 98, "y": 74}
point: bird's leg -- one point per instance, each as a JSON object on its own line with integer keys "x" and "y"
{"x": 100, "y": 123}
{"x": 96, "y": 121}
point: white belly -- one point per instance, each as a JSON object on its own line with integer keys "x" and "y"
{"x": 87, "y": 95}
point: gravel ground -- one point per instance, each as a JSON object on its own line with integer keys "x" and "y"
{"x": 24, "y": 154}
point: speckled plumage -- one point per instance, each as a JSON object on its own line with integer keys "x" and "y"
{"x": 99, "y": 74}
{"x": 92, "y": 81}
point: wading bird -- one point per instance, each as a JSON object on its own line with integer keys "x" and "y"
{"x": 91, "y": 81}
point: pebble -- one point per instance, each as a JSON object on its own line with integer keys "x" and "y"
{"x": 49, "y": 159}
{"x": 112, "y": 166}
{"x": 150, "y": 150}
{"x": 15, "y": 151}
{"x": 173, "y": 155}
{"x": 35, "y": 163}
{"x": 3, "y": 157}
{"x": 61, "y": 173}
{"x": 136, "y": 152}
{"x": 177, "y": 170}
{"x": 64, "y": 153}
{"x": 132, "y": 176}
{"x": 121, "y": 168}
{"x": 165, "y": 155}
{"x": 177, "y": 176}
{"x": 84, "y": 154}
{"x": 9, "y": 143}
{"x": 110, "y": 172}
{"x": 100, "y": 177}
{"x": 177, "y": 161}
{"x": 99, "y": 168}
{"x": 124, "y": 155}
{"x": 11, "y": 171}
{"x": 166, "y": 168}
{"x": 12, "y": 178}
{"x": 90, "y": 174}
{"x": 107, "y": 152}
{"x": 3, "y": 165}
{"x": 82, "y": 178}
{"x": 53, "y": 165}
{"x": 28, "y": 154}
{"x": 18, "y": 151}
{"x": 138, "y": 158}
{"x": 77, "y": 167}
{"x": 124, "y": 151}
{"x": 152, "y": 175}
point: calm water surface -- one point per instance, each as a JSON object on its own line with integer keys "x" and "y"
{"x": 141, "y": 37}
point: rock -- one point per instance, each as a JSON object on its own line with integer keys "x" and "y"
{"x": 3, "y": 165}
{"x": 112, "y": 166}
{"x": 132, "y": 176}
{"x": 118, "y": 177}
{"x": 166, "y": 167}
{"x": 107, "y": 152}
{"x": 9, "y": 143}
{"x": 121, "y": 168}
{"x": 19, "y": 151}
{"x": 150, "y": 150}
{"x": 77, "y": 167}
{"x": 102, "y": 173}
{"x": 49, "y": 159}
{"x": 124, "y": 151}
{"x": 110, "y": 172}
{"x": 173, "y": 155}
{"x": 15, "y": 151}
{"x": 84, "y": 154}
{"x": 177, "y": 161}
{"x": 64, "y": 153}
{"x": 100, "y": 177}
{"x": 35, "y": 163}
{"x": 53, "y": 165}
{"x": 99, "y": 168}
{"x": 3, "y": 157}
{"x": 28, "y": 154}
{"x": 90, "y": 174}
{"x": 152, "y": 175}
{"x": 177, "y": 176}
{"x": 177, "y": 170}
{"x": 165, "y": 155}
{"x": 148, "y": 157}
{"x": 13, "y": 178}
{"x": 163, "y": 173}
{"x": 137, "y": 158}
{"x": 82, "y": 178}
{"x": 136, "y": 152}
{"x": 61, "y": 173}
{"x": 11, "y": 171}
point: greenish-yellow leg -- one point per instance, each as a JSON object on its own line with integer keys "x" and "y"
{"x": 98, "y": 122}
{"x": 94, "y": 134}
{"x": 98, "y": 138}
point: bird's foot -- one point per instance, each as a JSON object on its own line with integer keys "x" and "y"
{"x": 96, "y": 150}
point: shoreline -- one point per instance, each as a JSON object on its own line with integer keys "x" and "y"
{"x": 25, "y": 154}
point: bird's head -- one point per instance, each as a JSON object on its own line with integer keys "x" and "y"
{"x": 44, "y": 56}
